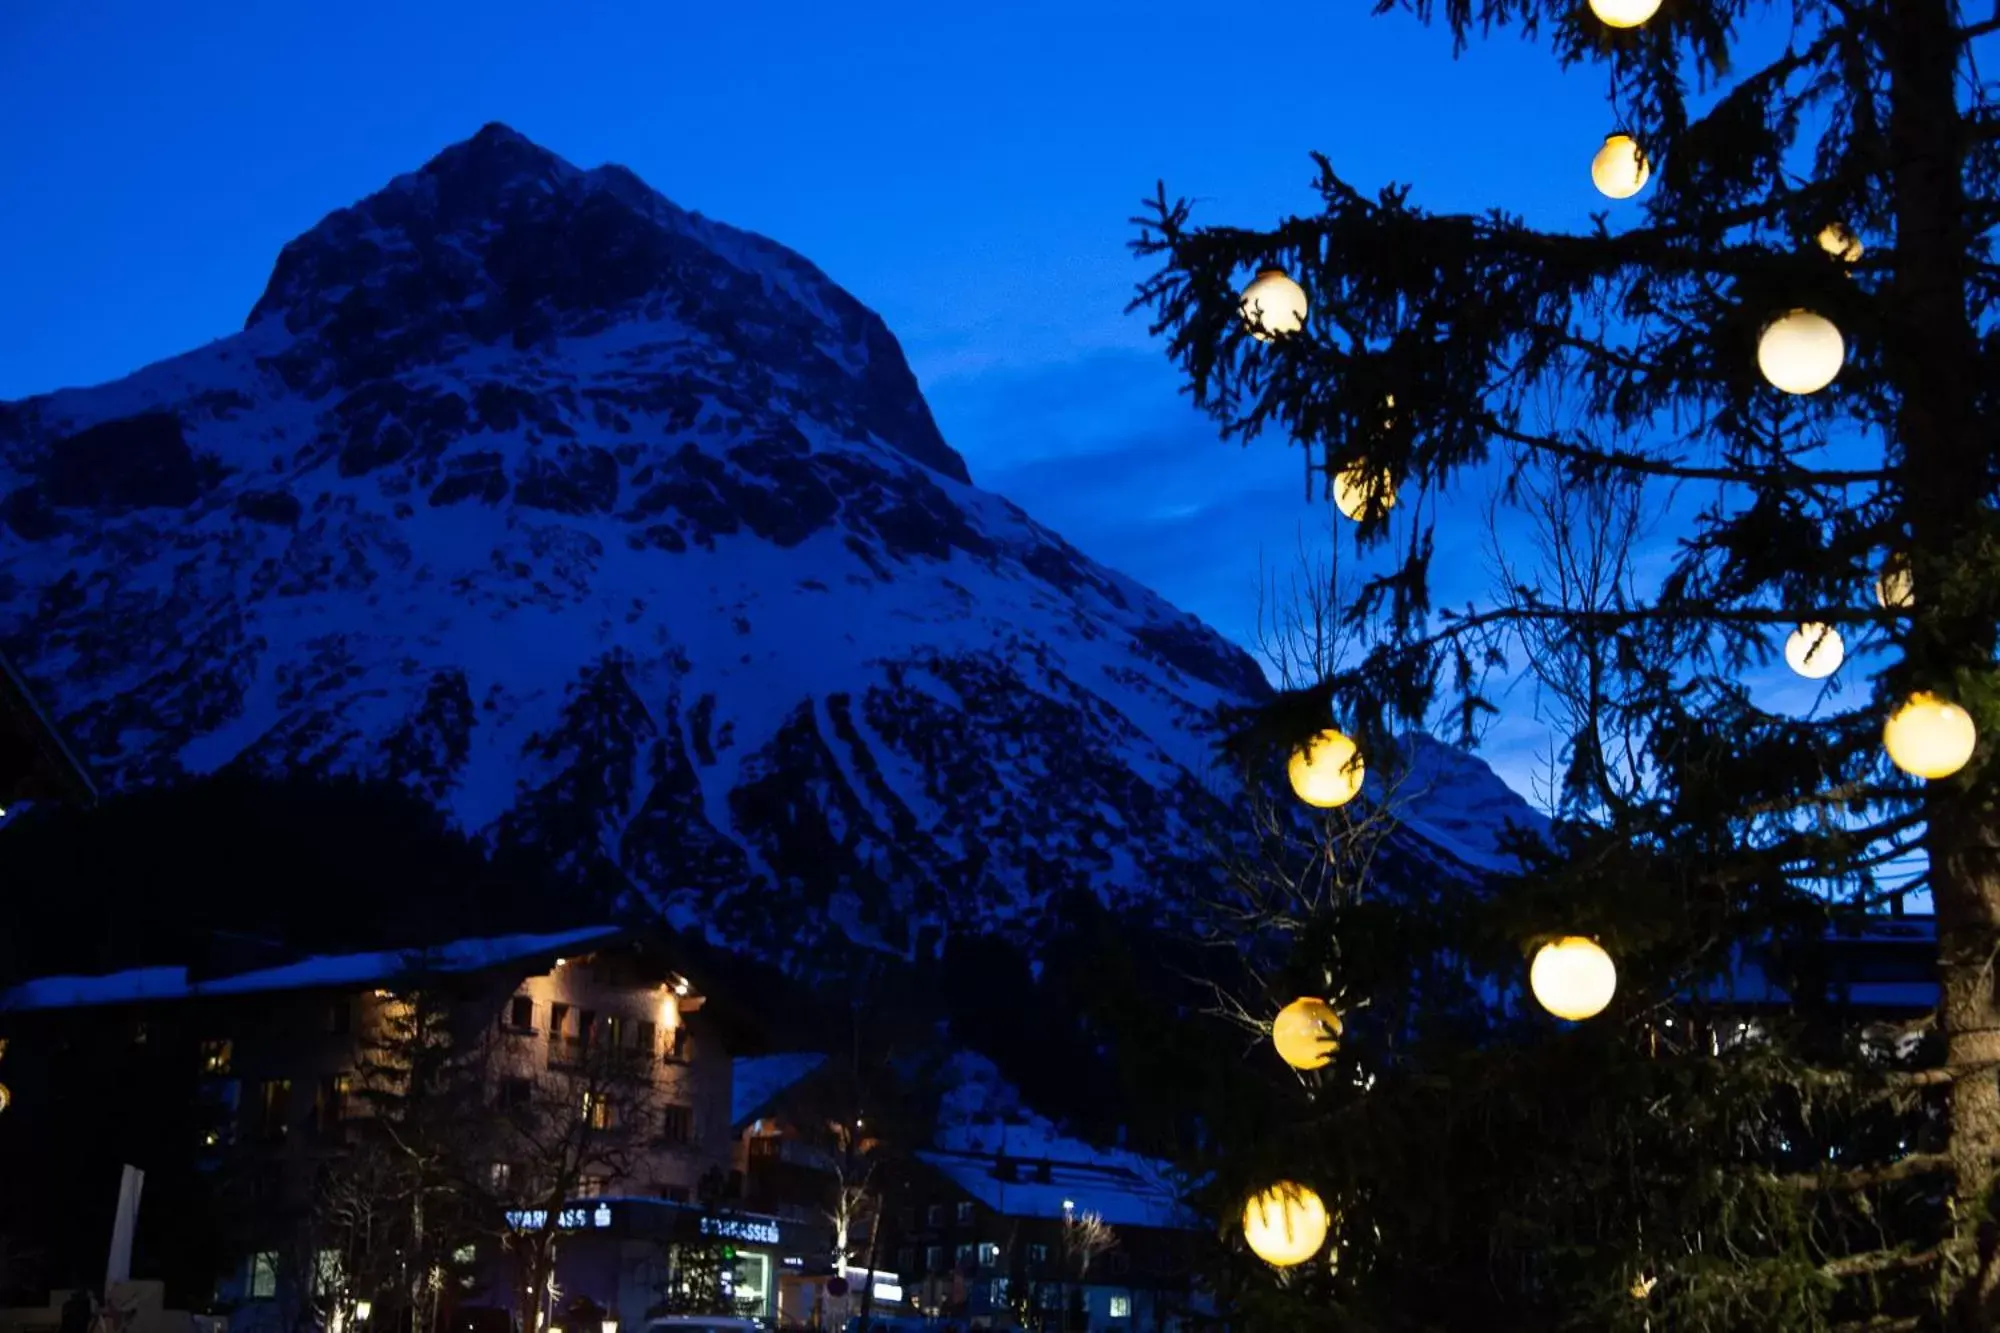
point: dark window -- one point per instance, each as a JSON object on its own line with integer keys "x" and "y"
{"x": 340, "y": 1018}
{"x": 1038, "y": 1254}
{"x": 934, "y": 1259}
{"x": 216, "y": 1055}
{"x": 1120, "y": 1261}
{"x": 934, "y": 1215}
{"x": 590, "y": 1187}
{"x": 615, "y": 1032}
{"x": 672, "y": 1193}
{"x": 586, "y": 1027}
{"x": 677, "y": 1046}
{"x": 962, "y": 1256}
{"x": 677, "y": 1124}
{"x": 558, "y": 1021}
{"x": 514, "y": 1092}
{"x": 521, "y": 1014}
{"x": 908, "y": 1218}
{"x": 645, "y": 1036}
{"x": 277, "y": 1108}
{"x": 906, "y": 1259}
{"x": 964, "y": 1211}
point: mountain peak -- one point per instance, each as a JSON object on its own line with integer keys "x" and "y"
{"x": 499, "y": 243}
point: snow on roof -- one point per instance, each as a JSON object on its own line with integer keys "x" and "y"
{"x": 1123, "y": 1188}
{"x": 982, "y": 1121}
{"x": 756, "y": 1080}
{"x": 358, "y": 969}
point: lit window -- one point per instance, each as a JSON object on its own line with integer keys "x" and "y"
{"x": 599, "y": 1111}
{"x": 989, "y": 1254}
{"x": 589, "y": 1187}
{"x": 1121, "y": 1307}
{"x": 465, "y": 1255}
{"x": 963, "y": 1255}
{"x": 502, "y": 1175}
{"x": 264, "y": 1275}
{"x": 215, "y": 1056}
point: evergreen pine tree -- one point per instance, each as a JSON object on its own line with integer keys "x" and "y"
{"x": 1656, "y": 1166}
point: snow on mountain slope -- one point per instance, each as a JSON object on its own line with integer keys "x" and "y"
{"x": 618, "y": 531}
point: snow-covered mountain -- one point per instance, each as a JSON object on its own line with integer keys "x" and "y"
{"x": 613, "y": 529}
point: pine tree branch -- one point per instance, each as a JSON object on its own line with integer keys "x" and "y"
{"x": 1861, "y": 1178}
{"x": 1626, "y": 461}
{"x": 1880, "y": 1261}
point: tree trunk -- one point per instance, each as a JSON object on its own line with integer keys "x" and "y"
{"x": 868, "y": 1268}
{"x": 1930, "y": 348}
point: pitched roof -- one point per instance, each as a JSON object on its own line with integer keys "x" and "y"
{"x": 758, "y": 1080}
{"x": 340, "y": 970}
{"x": 1123, "y": 1188}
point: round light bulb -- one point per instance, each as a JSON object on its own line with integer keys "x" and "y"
{"x": 6, "y": 1097}
{"x": 1815, "y": 650}
{"x": 1285, "y": 1224}
{"x": 1306, "y": 1033}
{"x": 1895, "y": 586}
{"x": 1273, "y": 304}
{"x": 1838, "y": 241}
{"x": 1800, "y": 352}
{"x": 1326, "y": 771}
{"x": 1929, "y": 737}
{"x": 1620, "y": 168}
{"x": 1573, "y": 978}
{"x": 1624, "y": 13}
{"x": 1352, "y": 486}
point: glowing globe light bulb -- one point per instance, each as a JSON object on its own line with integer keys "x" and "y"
{"x": 1929, "y": 737}
{"x": 1326, "y": 771}
{"x": 1306, "y": 1033}
{"x": 1895, "y": 586}
{"x": 1838, "y": 241}
{"x": 1620, "y": 169}
{"x": 1273, "y": 305}
{"x": 1624, "y": 13}
{"x": 1573, "y": 978}
{"x": 1353, "y": 485}
{"x": 1815, "y": 650}
{"x": 1285, "y": 1225}
{"x": 1801, "y": 352}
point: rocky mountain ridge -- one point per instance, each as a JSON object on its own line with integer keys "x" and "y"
{"x": 625, "y": 534}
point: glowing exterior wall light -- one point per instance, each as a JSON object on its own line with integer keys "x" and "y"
{"x": 1326, "y": 771}
{"x": 1800, "y": 352}
{"x": 1815, "y": 651}
{"x": 1285, "y": 1224}
{"x": 1273, "y": 304}
{"x": 1573, "y": 978}
{"x": 1306, "y": 1033}
{"x": 1620, "y": 169}
{"x": 1929, "y": 737}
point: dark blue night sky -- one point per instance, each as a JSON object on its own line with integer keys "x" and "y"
{"x": 967, "y": 170}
